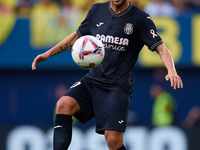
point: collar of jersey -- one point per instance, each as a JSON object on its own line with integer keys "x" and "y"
{"x": 121, "y": 13}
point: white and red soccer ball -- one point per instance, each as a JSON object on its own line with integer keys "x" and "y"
{"x": 88, "y": 52}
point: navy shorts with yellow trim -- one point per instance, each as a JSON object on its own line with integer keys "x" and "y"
{"x": 110, "y": 107}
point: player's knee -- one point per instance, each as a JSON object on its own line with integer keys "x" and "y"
{"x": 61, "y": 106}
{"x": 66, "y": 105}
{"x": 111, "y": 141}
{"x": 114, "y": 139}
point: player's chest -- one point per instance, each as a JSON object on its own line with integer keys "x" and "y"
{"x": 114, "y": 26}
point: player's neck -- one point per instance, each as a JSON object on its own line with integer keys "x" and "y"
{"x": 119, "y": 8}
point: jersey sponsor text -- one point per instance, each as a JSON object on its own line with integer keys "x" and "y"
{"x": 113, "y": 40}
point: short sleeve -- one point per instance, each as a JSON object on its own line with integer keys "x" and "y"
{"x": 84, "y": 28}
{"x": 149, "y": 34}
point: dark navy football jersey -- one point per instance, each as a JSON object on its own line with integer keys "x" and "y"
{"x": 123, "y": 35}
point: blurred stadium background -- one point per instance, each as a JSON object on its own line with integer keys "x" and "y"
{"x": 160, "y": 118}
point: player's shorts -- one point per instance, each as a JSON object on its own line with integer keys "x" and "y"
{"x": 110, "y": 108}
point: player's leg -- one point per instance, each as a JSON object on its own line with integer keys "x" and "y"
{"x": 111, "y": 113}
{"x": 114, "y": 140}
{"x": 77, "y": 101}
{"x": 66, "y": 107}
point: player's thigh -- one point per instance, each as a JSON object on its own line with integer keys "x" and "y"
{"x": 111, "y": 110}
{"x": 83, "y": 93}
{"x": 67, "y": 105}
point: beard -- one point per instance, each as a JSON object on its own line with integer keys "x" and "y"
{"x": 119, "y": 3}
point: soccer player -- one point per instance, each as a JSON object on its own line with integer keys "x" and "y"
{"x": 105, "y": 91}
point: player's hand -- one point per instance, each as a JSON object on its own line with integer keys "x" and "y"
{"x": 175, "y": 80}
{"x": 38, "y": 59}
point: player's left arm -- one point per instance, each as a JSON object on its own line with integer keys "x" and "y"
{"x": 168, "y": 61}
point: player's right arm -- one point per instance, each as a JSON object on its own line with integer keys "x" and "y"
{"x": 64, "y": 45}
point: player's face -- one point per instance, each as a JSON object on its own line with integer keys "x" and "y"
{"x": 119, "y": 3}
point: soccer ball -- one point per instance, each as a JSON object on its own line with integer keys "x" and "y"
{"x": 88, "y": 52}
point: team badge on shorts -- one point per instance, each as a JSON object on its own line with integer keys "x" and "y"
{"x": 128, "y": 29}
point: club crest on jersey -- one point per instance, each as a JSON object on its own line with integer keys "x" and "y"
{"x": 128, "y": 29}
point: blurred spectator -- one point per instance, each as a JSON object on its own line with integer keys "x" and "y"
{"x": 7, "y": 18}
{"x": 69, "y": 19}
{"x": 79, "y": 4}
{"x": 69, "y": 15}
{"x": 44, "y": 22}
{"x": 60, "y": 90}
{"x": 24, "y": 7}
{"x": 197, "y": 4}
{"x": 181, "y": 7}
{"x": 161, "y": 8}
{"x": 83, "y": 7}
{"x": 194, "y": 5}
{"x": 100, "y": 1}
{"x": 87, "y": 5}
{"x": 191, "y": 126}
{"x": 164, "y": 106}
{"x": 193, "y": 118}
{"x": 159, "y": 74}
{"x": 140, "y": 4}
